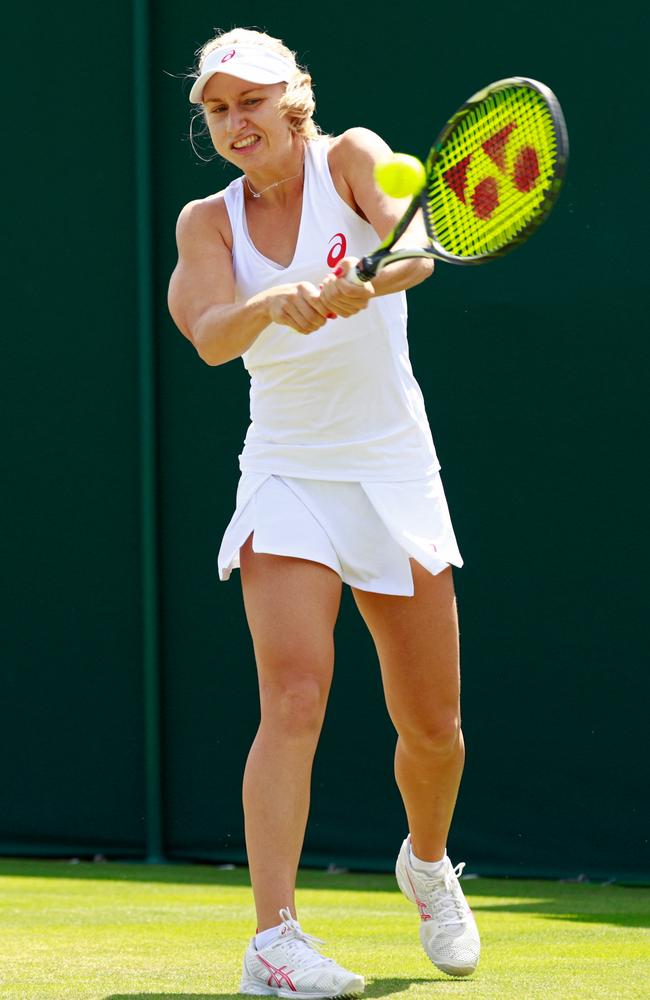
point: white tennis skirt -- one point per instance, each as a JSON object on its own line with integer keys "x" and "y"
{"x": 365, "y": 532}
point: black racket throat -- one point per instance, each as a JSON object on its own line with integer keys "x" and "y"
{"x": 368, "y": 267}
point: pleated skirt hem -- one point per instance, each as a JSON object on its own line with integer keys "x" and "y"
{"x": 367, "y": 532}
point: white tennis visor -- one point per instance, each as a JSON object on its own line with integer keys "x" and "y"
{"x": 248, "y": 62}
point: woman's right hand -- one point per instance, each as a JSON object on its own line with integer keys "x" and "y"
{"x": 297, "y": 305}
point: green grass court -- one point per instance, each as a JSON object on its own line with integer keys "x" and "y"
{"x": 177, "y": 932}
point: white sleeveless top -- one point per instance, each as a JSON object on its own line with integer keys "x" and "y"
{"x": 341, "y": 403}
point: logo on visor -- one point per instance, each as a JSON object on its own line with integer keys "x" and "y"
{"x": 228, "y": 55}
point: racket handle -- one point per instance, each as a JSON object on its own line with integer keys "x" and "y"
{"x": 362, "y": 273}
{"x": 354, "y": 277}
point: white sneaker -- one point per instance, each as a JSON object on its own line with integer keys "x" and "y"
{"x": 448, "y": 930}
{"x": 291, "y": 966}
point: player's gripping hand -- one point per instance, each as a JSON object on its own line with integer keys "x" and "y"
{"x": 298, "y": 305}
{"x": 342, "y": 297}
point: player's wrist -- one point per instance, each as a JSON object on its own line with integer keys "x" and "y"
{"x": 262, "y": 304}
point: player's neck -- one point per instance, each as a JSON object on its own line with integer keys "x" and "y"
{"x": 280, "y": 183}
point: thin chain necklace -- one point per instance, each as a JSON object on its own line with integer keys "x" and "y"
{"x": 258, "y": 194}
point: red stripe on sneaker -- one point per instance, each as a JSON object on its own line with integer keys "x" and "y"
{"x": 278, "y": 975}
{"x": 422, "y": 907}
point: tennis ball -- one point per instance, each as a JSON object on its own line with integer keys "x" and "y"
{"x": 400, "y": 176}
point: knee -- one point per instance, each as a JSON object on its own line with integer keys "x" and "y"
{"x": 433, "y": 734}
{"x": 297, "y": 707}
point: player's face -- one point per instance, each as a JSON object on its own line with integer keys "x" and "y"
{"x": 245, "y": 125}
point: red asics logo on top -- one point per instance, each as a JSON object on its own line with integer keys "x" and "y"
{"x": 228, "y": 55}
{"x": 484, "y": 198}
{"x": 337, "y": 251}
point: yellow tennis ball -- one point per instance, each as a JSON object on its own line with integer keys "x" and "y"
{"x": 400, "y": 176}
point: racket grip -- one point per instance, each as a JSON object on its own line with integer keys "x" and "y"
{"x": 362, "y": 273}
{"x": 354, "y": 277}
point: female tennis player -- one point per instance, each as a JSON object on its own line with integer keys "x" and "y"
{"x": 339, "y": 483}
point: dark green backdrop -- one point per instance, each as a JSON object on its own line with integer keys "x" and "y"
{"x": 534, "y": 373}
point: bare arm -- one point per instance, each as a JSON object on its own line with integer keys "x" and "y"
{"x": 352, "y": 159}
{"x": 202, "y": 291}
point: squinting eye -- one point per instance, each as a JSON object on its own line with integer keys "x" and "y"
{"x": 253, "y": 100}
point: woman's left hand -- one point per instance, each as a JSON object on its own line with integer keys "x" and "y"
{"x": 343, "y": 297}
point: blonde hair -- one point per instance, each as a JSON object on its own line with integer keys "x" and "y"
{"x": 297, "y": 103}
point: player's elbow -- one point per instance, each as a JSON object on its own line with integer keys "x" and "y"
{"x": 212, "y": 362}
{"x": 207, "y": 360}
{"x": 208, "y": 351}
{"x": 201, "y": 349}
{"x": 211, "y": 341}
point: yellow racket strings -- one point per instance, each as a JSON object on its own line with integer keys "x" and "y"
{"x": 494, "y": 173}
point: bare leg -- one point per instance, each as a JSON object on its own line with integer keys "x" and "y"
{"x": 291, "y": 607}
{"x": 429, "y": 788}
{"x": 417, "y": 643}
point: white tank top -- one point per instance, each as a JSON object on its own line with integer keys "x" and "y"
{"x": 341, "y": 403}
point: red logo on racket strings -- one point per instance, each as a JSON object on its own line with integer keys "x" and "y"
{"x": 337, "y": 250}
{"x": 228, "y": 55}
{"x": 485, "y": 196}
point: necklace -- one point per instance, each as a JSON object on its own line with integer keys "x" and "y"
{"x": 258, "y": 194}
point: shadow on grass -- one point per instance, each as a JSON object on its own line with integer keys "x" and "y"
{"x": 205, "y": 873}
{"x": 576, "y": 902}
{"x": 374, "y": 988}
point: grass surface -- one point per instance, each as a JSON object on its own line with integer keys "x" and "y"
{"x": 178, "y": 932}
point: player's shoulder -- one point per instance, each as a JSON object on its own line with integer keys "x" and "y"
{"x": 356, "y": 147}
{"x": 358, "y": 140}
{"x": 204, "y": 219}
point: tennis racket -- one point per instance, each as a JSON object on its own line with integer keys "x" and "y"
{"x": 492, "y": 177}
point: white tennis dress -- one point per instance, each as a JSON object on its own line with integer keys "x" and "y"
{"x": 338, "y": 465}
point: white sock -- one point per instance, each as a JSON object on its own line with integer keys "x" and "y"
{"x": 267, "y": 937}
{"x": 426, "y": 866}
